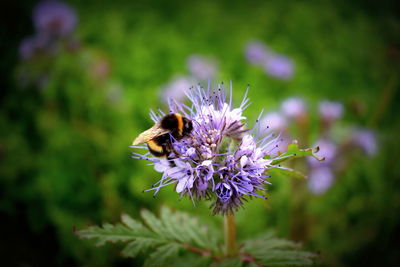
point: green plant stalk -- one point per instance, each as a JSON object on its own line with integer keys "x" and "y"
{"x": 230, "y": 235}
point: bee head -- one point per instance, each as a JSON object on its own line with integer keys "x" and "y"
{"x": 187, "y": 126}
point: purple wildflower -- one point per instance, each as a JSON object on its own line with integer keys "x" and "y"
{"x": 366, "y": 140}
{"x": 330, "y": 110}
{"x": 320, "y": 179}
{"x": 54, "y": 18}
{"x": 293, "y": 107}
{"x": 201, "y": 68}
{"x": 220, "y": 159}
{"x": 280, "y": 67}
{"x": 327, "y": 150}
{"x": 274, "y": 121}
{"x": 274, "y": 64}
{"x": 256, "y": 52}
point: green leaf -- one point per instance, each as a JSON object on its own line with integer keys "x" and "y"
{"x": 108, "y": 233}
{"x": 271, "y": 251}
{"x": 167, "y": 235}
{"x": 286, "y": 258}
{"x": 174, "y": 225}
{"x": 155, "y": 224}
{"x": 134, "y": 225}
{"x": 140, "y": 245}
{"x": 163, "y": 254}
{"x": 187, "y": 229}
{"x": 293, "y": 151}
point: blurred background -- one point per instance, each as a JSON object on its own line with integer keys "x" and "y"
{"x": 78, "y": 79}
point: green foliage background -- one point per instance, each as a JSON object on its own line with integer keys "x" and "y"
{"x": 64, "y": 149}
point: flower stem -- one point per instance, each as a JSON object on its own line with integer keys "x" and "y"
{"x": 230, "y": 235}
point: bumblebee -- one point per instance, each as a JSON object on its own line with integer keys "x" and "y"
{"x": 158, "y": 138}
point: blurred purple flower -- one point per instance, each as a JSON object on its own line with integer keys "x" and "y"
{"x": 176, "y": 88}
{"x": 256, "y": 52}
{"x": 280, "y": 67}
{"x": 274, "y": 121}
{"x": 275, "y": 65}
{"x": 327, "y": 149}
{"x": 207, "y": 163}
{"x": 293, "y": 107}
{"x": 366, "y": 140}
{"x": 201, "y": 68}
{"x": 330, "y": 110}
{"x": 320, "y": 180}
{"x": 54, "y": 18}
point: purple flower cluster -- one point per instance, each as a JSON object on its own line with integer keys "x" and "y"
{"x": 334, "y": 150}
{"x": 221, "y": 159}
{"x": 53, "y": 20}
{"x": 274, "y": 64}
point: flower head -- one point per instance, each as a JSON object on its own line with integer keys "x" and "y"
{"x": 366, "y": 140}
{"x": 320, "y": 180}
{"x": 220, "y": 159}
{"x": 256, "y": 52}
{"x": 330, "y": 110}
{"x": 293, "y": 107}
{"x": 280, "y": 67}
{"x": 54, "y": 18}
{"x": 274, "y": 121}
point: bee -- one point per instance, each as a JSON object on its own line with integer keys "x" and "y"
{"x": 158, "y": 138}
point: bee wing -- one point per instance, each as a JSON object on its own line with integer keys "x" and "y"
{"x": 149, "y": 134}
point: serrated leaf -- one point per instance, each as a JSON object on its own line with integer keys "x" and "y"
{"x": 108, "y": 233}
{"x": 293, "y": 151}
{"x": 271, "y": 251}
{"x": 163, "y": 254}
{"x": 187, "y": 229}
{"x": 139, "y": 245}
{"x": 134, "y": 225}
{"x": 285, "y": 258}
{"x": 155, "y": 224}
{"x": 166, "y": 235}
{"x": 174, "y": 225}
